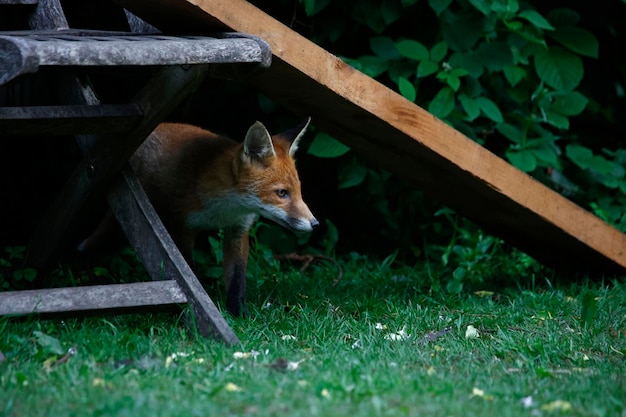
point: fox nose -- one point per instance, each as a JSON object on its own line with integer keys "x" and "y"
{"x": 314, "y": 222}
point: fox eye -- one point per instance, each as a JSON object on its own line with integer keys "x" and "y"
{"x": 282, "y": 193}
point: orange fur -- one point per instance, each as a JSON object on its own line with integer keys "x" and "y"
{"x": 199, "y": 180}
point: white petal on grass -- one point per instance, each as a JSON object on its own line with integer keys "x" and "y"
{"x": 477, "y": 392}
{"x": 400, "y": 335}
{"x": 174, "y": 356}
{"x": 230, "y": 387}
{"x": 292, "y": 366}
{"x": 97, "y": 382}
{"x": 288, "y": 337}
{"x": 471, "y": 332}
{"x": 557, "y": 405}
{"x": 527, "y": 402}
{"x": 380, "y": 326}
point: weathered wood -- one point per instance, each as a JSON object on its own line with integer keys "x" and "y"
{"x": 108, "y": 157}
{"x": 407, "y": 140}
{"x": 48, "y": 15}
{"x": 18, "y": 2}
{"x": 105, "y": 155}
{"x": 96, "y": 297}
{"x": 160, "y": 256}
{"x": 68, "y": 120}
{"x": 25, "y": 54}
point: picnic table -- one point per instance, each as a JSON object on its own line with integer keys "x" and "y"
{"x": 107, "y": 135}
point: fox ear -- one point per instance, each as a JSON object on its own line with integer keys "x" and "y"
{"x": 295, "y": 134}
{"x": 258, "y": 143}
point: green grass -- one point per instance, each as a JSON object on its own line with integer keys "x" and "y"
{"x": 310, "y": 348}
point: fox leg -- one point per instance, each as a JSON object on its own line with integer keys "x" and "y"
{"x": 235, "y": 248}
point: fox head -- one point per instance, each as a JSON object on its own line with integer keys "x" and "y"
{"x": 268, "y": 175}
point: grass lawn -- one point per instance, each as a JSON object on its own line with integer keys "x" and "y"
{"x": 376, "y": 344}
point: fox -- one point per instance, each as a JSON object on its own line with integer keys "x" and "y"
{"x": 199, "y": 180}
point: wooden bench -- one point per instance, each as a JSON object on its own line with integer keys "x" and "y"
{"x": 107, "y": 136}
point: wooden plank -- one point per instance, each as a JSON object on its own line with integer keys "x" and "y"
{"x": 26, "y": 53}
{"x": 407, "y": 140}
{"x": 18, "y": 2}
{"x": 161, "y": 257}
{"x": 68, "y": 120}
{"x": 96, "y": 297}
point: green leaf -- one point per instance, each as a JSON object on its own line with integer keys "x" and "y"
{"x": 536, "y": 19}
{"x": 313, "y": 7}
{"x": 439, "y": 5}
{"x": 557, "y": 120}
{"x": 470, "y": 106}
{"x": 412, "y": 49}
{"x": 384, "y": 47}
{"x": 569, "y": 104}
{"x": 453, "y": 81}
{"x": 370, "y": 65}
{"x": 399, "y": 69}
{"x": 577, "y": 40}
{"x": 514, "y": 74}
{"x": 494, "y": 55}
{"x": 49, "y": 344}
{"x": 563, "y": 17}
{"x": 513, "y": 133}
{"x": 28, "y": 274}
{"x": 504, "y": 9}
{"x": 439, "y": 51}
{"x": 469, "y": 62}
{"x": 426, "y": 68}
{"x": 443, "y": 103}
{"x": 455, "y": 286}
{"x": 546, "y": 154}
{"x": 368, "y": 13}
{"x": 390, "y": 10}
{"x": 352, "y": 174}
{"x": 325, "y": 146}
{"x": 407, "y": 89}
{"x": 490, "y": 109}
{"x": 522, "y": 160}
{"x": 473, "y": 88}
{"x": 482, "y": 6}
{"x": 580, "y": 155}
{"x": 558, "y": 68}
{"x": 461, "y": 30}
{"x": 458, "y": 72}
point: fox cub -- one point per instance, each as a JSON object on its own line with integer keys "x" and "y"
{"x": 199, "y": 180}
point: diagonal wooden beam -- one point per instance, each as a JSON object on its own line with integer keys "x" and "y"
{"x": 406, "y": 139}
{"x": 161, "y": 257}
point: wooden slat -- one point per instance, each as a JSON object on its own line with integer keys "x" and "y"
{"x": 96, "y": 297}
{"x": 160, "y": 256}
{"x": 68, "y": 120}
{"x": 407, "y": 140}
{"x": 17, "y": 2}
{"x": 26, "y": 53}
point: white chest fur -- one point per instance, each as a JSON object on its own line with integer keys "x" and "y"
{"x": 231, "y": 210}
